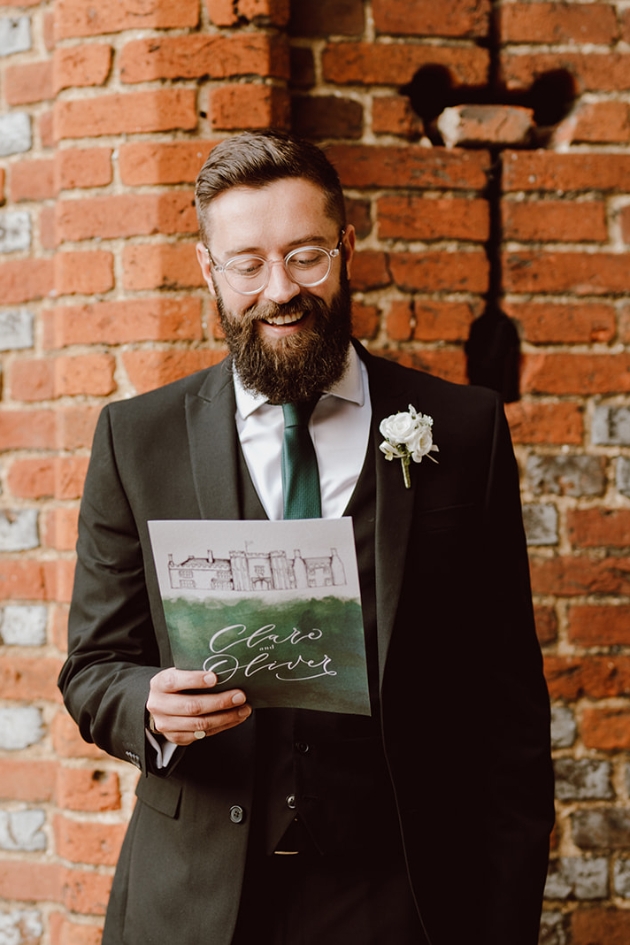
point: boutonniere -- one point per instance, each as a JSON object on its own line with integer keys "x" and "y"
{"x": 408, "y": 436}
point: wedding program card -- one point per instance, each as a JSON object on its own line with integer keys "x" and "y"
{"x": 273, "y": 608}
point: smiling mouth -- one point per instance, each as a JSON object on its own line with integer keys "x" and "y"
{"x": 285, "y": 319}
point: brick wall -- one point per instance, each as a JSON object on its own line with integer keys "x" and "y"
{"x": 108, "y": 111}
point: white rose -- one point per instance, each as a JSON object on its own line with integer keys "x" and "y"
{"x": 400, "y": 428}
{"x": 422, "y": 444}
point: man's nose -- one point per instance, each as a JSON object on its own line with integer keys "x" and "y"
{"x": 280, "y": 288}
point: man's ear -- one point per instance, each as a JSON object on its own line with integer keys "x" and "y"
{"x": 203, "y": 258}
{"x": 349, "y": 242}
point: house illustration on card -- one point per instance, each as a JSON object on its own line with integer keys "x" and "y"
{"x": 254, "y": 571}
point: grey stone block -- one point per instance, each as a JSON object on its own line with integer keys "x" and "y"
{"x": 541, "y": 524}
{"x": 15, "y": 133}
{"x": 563, "y": 727}
{"x": 21, "y": 830}
{"x": 611, "y": 426}
{"x": 21, "y": 927}
{"x": 23, "y": 624}
{"x": 15, "y": 34}
{"x": 621, "y": 877}
{"x": 20, "y": 727}
{"x": 553, "y": 929}
{"x": 18, "y": 530}
{"x": 583, "y": 779}
{"x": 15, "y": 231}
{"x": 623, "y": 475}
{"x": 601, "y": 829}
{"x": 577, "y": 878}
{"x": 16, "y": 329}
{"x": 566, "y": 475}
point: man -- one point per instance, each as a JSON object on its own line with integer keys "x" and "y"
{"x": 425, "y": 823}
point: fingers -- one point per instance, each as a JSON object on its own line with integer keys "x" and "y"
{"x": 184, "y": 707}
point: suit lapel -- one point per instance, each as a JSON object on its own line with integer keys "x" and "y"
{"x": 394, "y": 502}
{"x": 213, "y": 444}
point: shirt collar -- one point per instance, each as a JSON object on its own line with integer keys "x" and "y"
{"x": 349, "y": 387}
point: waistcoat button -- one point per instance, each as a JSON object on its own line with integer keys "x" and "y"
{"x": 302, "y": 747}
{"x": 237, "y": 814}
{"x": 291, "y": 804}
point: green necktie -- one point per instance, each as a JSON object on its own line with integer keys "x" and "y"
{"x": 300, "y": 475}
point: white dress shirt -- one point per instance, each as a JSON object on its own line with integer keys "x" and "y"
{"x": 340, "y": 430}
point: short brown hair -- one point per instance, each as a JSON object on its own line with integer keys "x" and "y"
{"x": 253, "y": 159}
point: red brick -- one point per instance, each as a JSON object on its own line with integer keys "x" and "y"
{"x": 575, "y": 373}
{"x": 33, "y": 180}
{"x": 546, "y": 625}
{"x": 58, "y": 634}
{"x": 85, "y": 891}
{"x": 427, "y": 18}
{"x": 399, "y": 320}
{"x": 34, "y": 580}
{"x": 394, "y": 115}
{"x": 598, "y": 677}
{"x": 447, "y": 363}
{"x": 369, "y": 270}
{"x": 473, "y": 125}
{"x": 396, "y": 63}
{"x": 256, "y": 107}
{"x": 575, "y": 272}
{"x": 45, "y": 127}
{"x": 554, "y": 221}
{"x": 156, "y": 162}
{"x": 161, "y": 266}
{"x": 624, "y": 216}
{"x": 570, "y": 576}
{"x": 150, "y": 369}
{"x": 606, "y": 122}
{"x": 28, "y": 429}
{"x": 552, "y": 423}
{"x": 29, "y": 678}
{"x": 599, "y": 625}
{"x": 122, "y": 322}
{"x": 3, "y": 178}
{"x": 217, "y": 56}
{"x": 547, "y": 170}
{"x": 417, "y": 218}
{"x": 83, "y": 167}
{"x": 440, "y": 271}
{"x": 315, "y": 19}
{"x": 441, "y": 321}
{"x": 81, "y": 65}
{"x": 606, "y": 729}
{"x": 365, "y": 320}
{"x": 564, "y": 323}
{"x": 75, "y": 427}
{"x": 598, "y": 527}
{"x": 552, "y": 23}
{"x": 47, "y": 227}
{"x": 59, "y": 477}
{"x": 230, "y": 12}
{"x": 67, "y": 741}
{"x": 42, "y": 379}
{"x": 81, "y": 842}
{"x": 126, "y": 113}
{"x": 363, "y": 166}
{"x": 27, "y": 781}
{"x": 85, "y": 273}
{"x": 121, "y": 215}
{"x": 74, "y": 18}
{"x": 27, "y": 83}
{"x": 64, "y": 932}
{"x": 592, "y": 72}
{"x": 59, "y": 529}
{"x": 88, "y": 789}
{"x": 31, "y": 881}
{"x": 22, "y": 280}
{"x": 599, "y": 926}
{"x": 326, "y": 116}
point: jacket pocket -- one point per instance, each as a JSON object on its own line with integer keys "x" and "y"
{"x": 162, "y": 794}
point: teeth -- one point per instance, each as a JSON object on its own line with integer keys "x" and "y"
{"x": 283, "y": 319}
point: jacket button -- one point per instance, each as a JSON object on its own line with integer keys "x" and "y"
{"x": 237, "y": 814}
{"x": 291, "y": 804}
{"x": 302, "y": 747}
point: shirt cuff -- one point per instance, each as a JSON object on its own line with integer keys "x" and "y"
{"x": 163, "y": 751}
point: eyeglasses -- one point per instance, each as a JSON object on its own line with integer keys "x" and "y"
{"x": 307, "y": 266}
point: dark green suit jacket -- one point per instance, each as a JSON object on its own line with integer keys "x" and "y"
{"x": 464, "y": 705}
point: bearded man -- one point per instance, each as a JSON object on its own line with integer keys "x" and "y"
{"x": 426, "y": 822}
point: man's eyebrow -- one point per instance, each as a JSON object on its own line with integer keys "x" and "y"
{"x": 308, "y": 240}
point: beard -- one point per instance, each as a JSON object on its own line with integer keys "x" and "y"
{"x": 300, "y": 366}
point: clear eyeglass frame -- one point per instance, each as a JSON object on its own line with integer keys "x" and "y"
{"x": 236, "y": 280}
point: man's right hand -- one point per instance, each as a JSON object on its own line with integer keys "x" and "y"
{"x": 178, "y": 714}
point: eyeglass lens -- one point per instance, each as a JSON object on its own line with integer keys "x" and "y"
{"x": 307, "y": 267}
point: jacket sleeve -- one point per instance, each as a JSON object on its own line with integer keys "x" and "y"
{"x": 112, "y": 651}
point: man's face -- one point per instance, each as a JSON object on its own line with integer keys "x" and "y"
{"x": 289, "y": 342}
